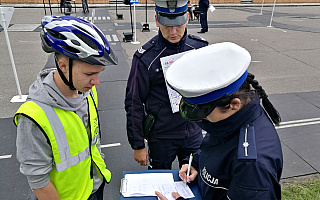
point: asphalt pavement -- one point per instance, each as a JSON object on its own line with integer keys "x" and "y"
{"x": 285, "y": 59}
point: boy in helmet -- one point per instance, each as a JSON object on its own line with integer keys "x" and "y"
{"x": 58, "y": 135}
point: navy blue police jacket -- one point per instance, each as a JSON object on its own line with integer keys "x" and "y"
{"x": 204, "y": 4}
{"x": 240, "y": 157}
{"x": 146, "y": 86}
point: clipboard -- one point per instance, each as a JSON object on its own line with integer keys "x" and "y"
{"x": 175, "y": 173}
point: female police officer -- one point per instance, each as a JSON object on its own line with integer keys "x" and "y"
{"x": 240, "y": 156}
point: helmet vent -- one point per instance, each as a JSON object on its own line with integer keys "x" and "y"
{"x": 70, "y": 49}
{"x": 87, "y": 40}
{"x": 76, "y": 42}
{"x": 82, "y": 29}
{"x": 56, "y": 34}
{"x": 102, "y": 37}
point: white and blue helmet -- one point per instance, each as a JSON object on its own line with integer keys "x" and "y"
{"x": 77, "y": 39}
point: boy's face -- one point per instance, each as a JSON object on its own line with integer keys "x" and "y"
{"x": 84, "y": 75}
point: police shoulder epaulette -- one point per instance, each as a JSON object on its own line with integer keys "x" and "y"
{"x": 145, "y": 48}
{"x": 247, "y": 143}
{"x": 198, "y": 38}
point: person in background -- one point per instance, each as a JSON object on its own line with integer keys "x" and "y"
{"x": 58, "y": 134}
{"x": 203, "y": 6}
{"x": 190, "y": 10}
{"x": 171, "y": 135}
{"x": 241, "y": 156}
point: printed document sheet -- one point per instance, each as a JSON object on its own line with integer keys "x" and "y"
{"x": 145, "y": 184}
{"x": 174, "y": 96}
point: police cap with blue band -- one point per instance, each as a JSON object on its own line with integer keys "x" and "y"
{"x": 206, "y": 76}
{"x": 171, "y": 13}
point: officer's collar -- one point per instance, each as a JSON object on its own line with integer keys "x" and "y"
{"x": 225, "y": 129}
{"x": 169, "y": 44}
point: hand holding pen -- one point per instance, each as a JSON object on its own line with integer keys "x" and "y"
{"x": 184, "y": 175}
{"x": 189, "y": 167}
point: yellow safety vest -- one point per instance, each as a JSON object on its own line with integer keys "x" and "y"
{"x": 74, "y": 149}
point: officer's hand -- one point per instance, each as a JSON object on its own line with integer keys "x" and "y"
{"x": 161, "y": 197}
{"x": 141, "y": 156}
{"x": 183, "y": 173}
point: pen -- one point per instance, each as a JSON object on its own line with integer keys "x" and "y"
{"x": 189, "y": 166}
{"x": 148, "y": 165}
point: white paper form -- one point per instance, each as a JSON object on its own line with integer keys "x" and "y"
{"x": 143, "y": 184}
{"x": 181, "y": 187}
{"x": 174, "y": 96}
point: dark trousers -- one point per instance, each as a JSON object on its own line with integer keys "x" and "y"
{"x": 190, "y": 13}
{"x": 98, "y": 195}
{"x": 203, "y": 20}
{"x": 162, "y": 152}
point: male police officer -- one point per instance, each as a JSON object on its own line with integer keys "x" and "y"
{"x": 203, "y": 6}
{"x": 146, "y": 91}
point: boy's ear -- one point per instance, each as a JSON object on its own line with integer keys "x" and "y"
{"x": 63, "y": 65}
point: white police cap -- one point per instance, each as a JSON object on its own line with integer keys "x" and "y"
{"x": 208, "y": 73}
{"x": 171, "y": 13}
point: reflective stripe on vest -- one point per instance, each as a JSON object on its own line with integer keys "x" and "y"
{"x": 62, "y": 142}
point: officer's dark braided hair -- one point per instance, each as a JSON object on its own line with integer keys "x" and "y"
{"x": 269, "y": 108}
{"x": 245, "y": 92}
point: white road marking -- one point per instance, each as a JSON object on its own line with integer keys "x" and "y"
{"x": 5, "y": 156}
{"x": 102, "y": 146}
{"x": 111, "y": 145}
{"x": 23, "y": 27}
{"x": 108, "y": 38}
{"x": 115, "y": 38}
{"x": 296, "y": 123}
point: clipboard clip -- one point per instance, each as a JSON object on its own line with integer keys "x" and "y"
{"x": 123, "y": 185}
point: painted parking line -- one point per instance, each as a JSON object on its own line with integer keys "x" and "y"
{"x": 102, "y": 146}
{"x": 222, "y": 24}
{"x": 23, "y": 27}
{"x": 296, "y": 123}
{"x": 5, "y": 156}
{"x": 110, "y": 145}
{"x": 290, "y": 124}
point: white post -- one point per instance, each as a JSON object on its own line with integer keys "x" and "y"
{"x": 20, "y": 97}
{"x": 93, "y": 14}
{"x": 261, "y": 7}
{"x": 135, "y": 25}
{"x": 272, "y": 13}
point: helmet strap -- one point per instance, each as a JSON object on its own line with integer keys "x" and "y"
{"x": 70, "y": 75}
{"x": 64, "y": 79}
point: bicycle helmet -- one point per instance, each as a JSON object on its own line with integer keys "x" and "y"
{"x": 77, "y": 39}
